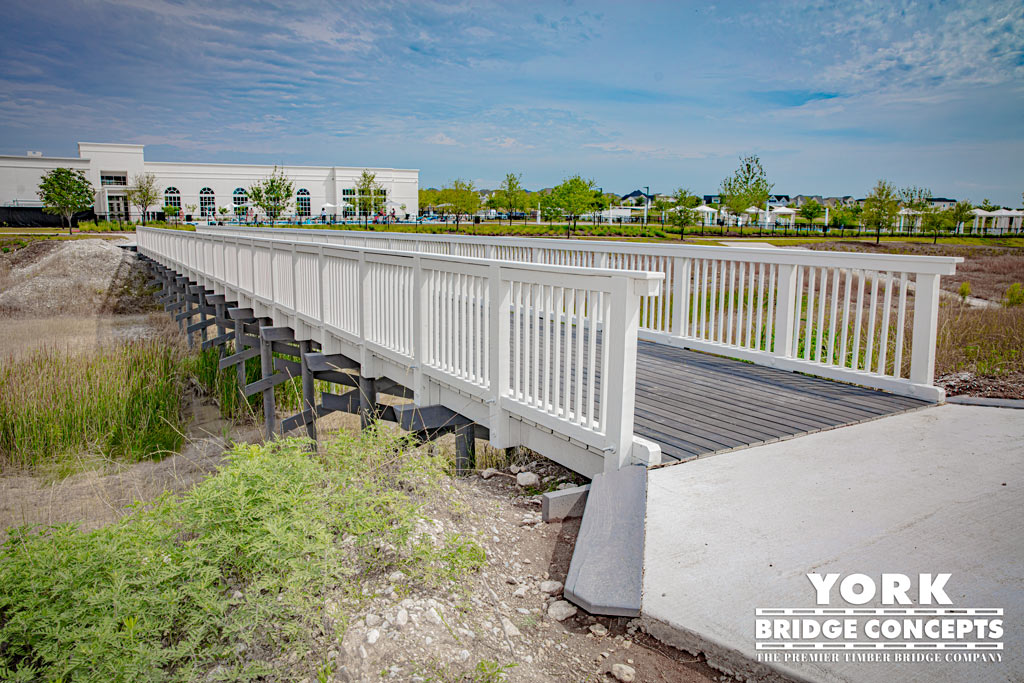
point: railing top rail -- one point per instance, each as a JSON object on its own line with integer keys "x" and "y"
{"x": 648, "y": 279}
{"x": 910, "y": 263}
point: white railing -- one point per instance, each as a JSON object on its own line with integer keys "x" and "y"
{"x": 553, "y": 346}
{"x": 869, "y": 319}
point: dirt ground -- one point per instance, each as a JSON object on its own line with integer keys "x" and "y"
{"x": 102, "y": 494}
{"x": 989, "y": 270}
{"x": 72, "y": 277}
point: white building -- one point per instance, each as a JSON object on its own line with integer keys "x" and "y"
{"x": 209, "y": 187}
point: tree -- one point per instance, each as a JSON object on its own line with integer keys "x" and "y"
{"x": 600, "y": 202}
{"x": 661, "y": 205}
{"x": 463, "y": 198}
{"x": 428, "y": 198}
{"x": 682, "y": 213}
{"x": 172, "y": 212}
{"x": 143, "y": 193}
{"x": 881, "y": 208}
{"x": 811, "y": 210}
{"x": 574, "y": 196}
{"x": 915, "y": 200}
{"x": 747, "y": 187}
{"x": 960, "y": 213}
{"x": 549, "y": 209}
{"x": 369, "y": 199}
{"x": 273, "y": 194}
{"x": 64, "y": 192}
{"x": 191, "y": 208}
{"x": 934, "y": 220}
{"x": 510, "y": 194}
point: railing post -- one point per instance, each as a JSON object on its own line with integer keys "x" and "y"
{"x": 785, "y": 310}
{"x": 620, "y": 391}
{"x": 679, "y": 294}
{"x": 926, "y": 322}
{"x": 420, "y": 330}
{"x": 365, "y": 313}
{"x": 499, "y": 333}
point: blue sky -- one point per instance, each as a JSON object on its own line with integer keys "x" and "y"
{"x": 831, "y": 96}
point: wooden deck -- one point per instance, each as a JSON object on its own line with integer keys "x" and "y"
{"x": 696, "y": 404}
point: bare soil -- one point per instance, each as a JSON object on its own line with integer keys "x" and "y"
{"x": 989, "y": 270}
{"x": 1010, "y": 385}
{"x": 105, "y": 492}
{"x": 72, "y": 277}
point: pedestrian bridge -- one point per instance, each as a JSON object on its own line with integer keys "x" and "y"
{"x": 595, "y": 354}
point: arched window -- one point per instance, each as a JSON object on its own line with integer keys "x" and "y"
{"x": 302, "y": 205}
{"x": 240, "y": 199}
{"x": 172, "y": 197}
{"x": 207, "y": 203}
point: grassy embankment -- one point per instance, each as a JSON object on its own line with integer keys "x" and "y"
{"x": 60, "y": 413}
{"x": 272, "y": 555}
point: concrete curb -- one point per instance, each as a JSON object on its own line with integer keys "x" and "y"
{"x": 988, "y": 402}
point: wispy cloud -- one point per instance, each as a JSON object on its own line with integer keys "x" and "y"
{"x": 832, "y": 95}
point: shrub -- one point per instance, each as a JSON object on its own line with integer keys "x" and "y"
{"x": 1014, "y": 295}
{"x": 250, "y": 556}
{"x": 965, "y": 290}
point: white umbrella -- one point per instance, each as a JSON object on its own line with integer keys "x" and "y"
{"x": 328, "y": 205}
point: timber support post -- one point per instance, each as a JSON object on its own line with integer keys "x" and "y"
{"x": 266, "y": 371}
{"x": 367, "y": 401}
{"x": 308, "y": 390}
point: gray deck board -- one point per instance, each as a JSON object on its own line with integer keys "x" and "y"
{"x": 695, "y": 404}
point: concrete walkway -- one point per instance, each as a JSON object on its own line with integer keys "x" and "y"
{"x": 940, "y": 490}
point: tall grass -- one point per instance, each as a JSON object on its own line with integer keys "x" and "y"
{"x": 984, "y": 341}
{"x": 122, "y": 402}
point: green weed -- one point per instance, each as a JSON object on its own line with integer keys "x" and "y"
{"x": 247, "y": 558}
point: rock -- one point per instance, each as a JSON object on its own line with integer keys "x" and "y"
{"x": 514, "y": 469}
{"x": 560, "y": 610}
{"x": 372, "y": 620}
{"x": 237, "y": 595}
{"x": 396, "y": 577}
{"x": 402, "y": 618}
{"x": 433, "y": 617}
{"x": 372, "y": 636}
{"x": 598, "y": 630}
{"x": 511, "y": 580}
{"x": 488, "y": 473}
{"x": 510, "y": 629}
{"x": 563, "y": 486}
{"x": 551, "y": 587}
{"x": 519, "y": 592}
{"x": 624, "y": 673}
{"x": 463, "y": 655}
{"x": 525, "y": 479}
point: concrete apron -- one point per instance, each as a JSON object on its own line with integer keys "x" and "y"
{"x": 939, "y": 490}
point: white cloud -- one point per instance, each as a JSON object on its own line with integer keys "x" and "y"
{"x": 440, "y": 139}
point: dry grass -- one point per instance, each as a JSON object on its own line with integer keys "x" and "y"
{"x": 990, "y": 270}
{"x": 986, "y": 342}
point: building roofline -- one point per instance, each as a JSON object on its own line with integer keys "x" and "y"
{"x": 113, "y": 144}
{"x": 283, "y": 166}
{"x": 25, "y": 156}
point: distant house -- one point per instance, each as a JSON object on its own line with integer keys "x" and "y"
{"x": 801, "y": 199}
{"x": 635, "y": 198}
{"x": 710, "y": 199}
{"x": 941, "y": 202}
{"x": 836, "y": 202}
{"x": 778, "y": 199}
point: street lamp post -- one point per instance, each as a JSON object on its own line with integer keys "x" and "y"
{"x": 600, "y": 203}
{"x": 647, "y": 199}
